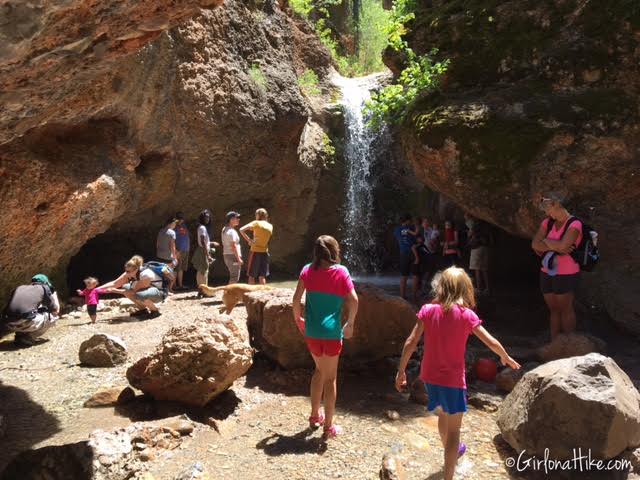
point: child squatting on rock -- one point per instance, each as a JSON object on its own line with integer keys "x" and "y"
{"x": 329, "y": 287}
{"x": 446, "y": 324}
{"x": 90, "y": 294}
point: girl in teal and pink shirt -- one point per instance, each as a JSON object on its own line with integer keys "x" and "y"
{"x": 328, "y": 288}
{"x": 446, "y": 324}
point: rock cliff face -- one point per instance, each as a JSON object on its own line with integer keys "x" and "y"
{"x": 539, "y": 96}
{"x": 108, "y": 127}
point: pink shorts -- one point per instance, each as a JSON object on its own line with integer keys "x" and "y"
{"x": 319, "y": 347}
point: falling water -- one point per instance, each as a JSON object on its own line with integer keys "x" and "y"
{"x": 361, "y": 147}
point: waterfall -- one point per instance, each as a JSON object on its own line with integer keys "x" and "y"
{"x": 361, "y": 147}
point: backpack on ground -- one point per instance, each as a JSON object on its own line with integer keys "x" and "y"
{"x": 586, "y": 252}
{"x": 164, "y": 271}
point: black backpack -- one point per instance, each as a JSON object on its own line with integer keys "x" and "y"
{"x": 586, "y": 252}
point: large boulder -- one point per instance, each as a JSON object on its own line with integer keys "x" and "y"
{"x": 103, "y": 350}
{"x": 195, "y": 363}
{"x": 115, "y": 455}
{"x": 583, "y": 402}
{"x": 571, "y": 345}
{"x": 382, "y": 325}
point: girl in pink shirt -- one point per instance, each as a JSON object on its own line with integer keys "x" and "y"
{"x": 446, "y": 324}
{"x": 90, "y": 294}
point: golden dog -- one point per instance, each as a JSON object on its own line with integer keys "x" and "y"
{"x": 232, "y": 294}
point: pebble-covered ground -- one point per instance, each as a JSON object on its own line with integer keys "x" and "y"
{"x": 257, "y": 430}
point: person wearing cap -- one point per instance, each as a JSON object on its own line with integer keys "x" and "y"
{"x": 183, "y": 245}
{"x": 556, "y": 238}
{"x": 231, "y": 252}
{"x": 31, "y": 311}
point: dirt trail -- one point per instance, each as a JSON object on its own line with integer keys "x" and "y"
{"x": 260, "y": 424}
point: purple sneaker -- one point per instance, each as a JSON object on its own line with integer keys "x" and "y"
{"x": 461, "y": 449}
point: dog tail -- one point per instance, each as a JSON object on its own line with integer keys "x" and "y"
{"x": 209, "y": 291}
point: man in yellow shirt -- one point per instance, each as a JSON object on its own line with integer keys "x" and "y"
{"x": 258, "y": 265}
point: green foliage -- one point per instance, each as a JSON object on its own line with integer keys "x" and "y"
{"x": 327, "y": 146}
{"x": 308, "y": 83}
{"x": 301, "y": 7}
{"x": 372, "y": 36}
{"x": 393, "y": 103}
{"x": 402, "y": 12}
{"x": 258, "y": 77}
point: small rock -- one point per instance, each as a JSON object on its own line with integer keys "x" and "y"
{"x": 392, "y": 468}
{"x": 182, "y": 425}
{"x": 393, "y": 415}
{"x": 103, "y": 350}
{"x": 571, "y": 345}
{"x": 507, "y": 378}
{"x": 417, "y": 392}
{"x": 146, "y": 455}
{"x": 110, "y": 397}
{"x": 193, "y": 472}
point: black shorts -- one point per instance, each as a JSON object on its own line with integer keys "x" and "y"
{"x": 406, "y": 260}
{"x": 559, "y": 284}
{"x": 258, "y": 264}
{"x": 92, "y": 309}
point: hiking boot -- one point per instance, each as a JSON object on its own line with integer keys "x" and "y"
{"x": 23, "y": 340}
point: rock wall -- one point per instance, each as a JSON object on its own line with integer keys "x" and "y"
{"x": 539, "y": 96}
{"x": 108, "y": 128}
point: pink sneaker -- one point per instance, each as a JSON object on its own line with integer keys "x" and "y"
{"x": 316, "y": 421}
{"x": 332, "y": 432}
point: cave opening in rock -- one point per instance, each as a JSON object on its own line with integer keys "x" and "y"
{"x": 149, "y": 162}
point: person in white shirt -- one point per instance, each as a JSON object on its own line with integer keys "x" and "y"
{"x": 231, "y": 251}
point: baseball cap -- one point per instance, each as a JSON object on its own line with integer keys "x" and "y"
{"x": 231, "y": 215}
{"x": 41, "y": 278}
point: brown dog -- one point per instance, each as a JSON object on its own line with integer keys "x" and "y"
{"x": 232, "y": 294}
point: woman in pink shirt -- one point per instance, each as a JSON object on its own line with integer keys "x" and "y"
{"x": 446, "y": 324}
{"x": 556, "y": 238}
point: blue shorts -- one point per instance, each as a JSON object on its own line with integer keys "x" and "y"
{"x": 452, "y": 400}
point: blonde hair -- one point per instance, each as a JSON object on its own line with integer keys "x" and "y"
{"x": 134, "y": 262}
{"x": 453, "y": 287}
{"x": 91, "y": 281}
{"x": 326, "y": 248}
{"x": 261, "y": 214}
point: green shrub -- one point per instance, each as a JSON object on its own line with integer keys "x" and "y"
{"x": 308, "y": 83}
{"x": 255, "y": 72}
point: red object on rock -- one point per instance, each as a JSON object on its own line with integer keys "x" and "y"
{"x": 486, "y": 370}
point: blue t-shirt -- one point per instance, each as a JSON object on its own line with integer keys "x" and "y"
{"x": 404, "y": 237}
{"x": 182, "y": 237}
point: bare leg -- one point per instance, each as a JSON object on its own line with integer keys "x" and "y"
{"x": 316, "y": 392}
{"x": 151, "y": 306}
{"x": 328, "y": 367}
{"x": 554, "y": 313}
{"x": 567, "y": 312}
{"x": 252, "y": 280}
{"x": 263, "y": 281}
{"x": 454, "y": 422}
{"x": 93, "y": 318}
{"x": 442, "y": 428}
{"x": 132, "y": 296}
{"x": 201, "y": 279}
{"x": 403, "y": 286}
{"x": 180, "y": 278}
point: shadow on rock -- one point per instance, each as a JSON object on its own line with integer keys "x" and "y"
{"x": 299, "y": 444}
{"x": 23, "y": 423}
{"x": 145, "y": 408}
{"x": 55, "y": 462}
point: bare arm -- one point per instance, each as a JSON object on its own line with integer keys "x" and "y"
{"x": 351, "y": 304}
{"x": 297, "y": 301}
{"x": 141, "y": 284}
{"x": 409, "y": 347}
{"x": 172, "y": 245}
{"x": 117, "y": 283}
{"x": 566, "y": 244}
{"x": 495, "y": 346}
{"x": 416, "y": 258}
{"x": 55, "y": 303}
{"x": 242, "y": 230}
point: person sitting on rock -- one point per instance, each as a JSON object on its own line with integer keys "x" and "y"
{"x": 446, "y": 324}
{"x": 140, "y": 284}
{"x": 258, "y": 264}
{"x": 559, "y": 273}
{"x": 31, "y": 311}
{"x": 329, "y": 288}
{"x": 91, "y": 294}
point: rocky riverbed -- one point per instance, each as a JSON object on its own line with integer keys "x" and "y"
{"x": 257, "y": 429}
